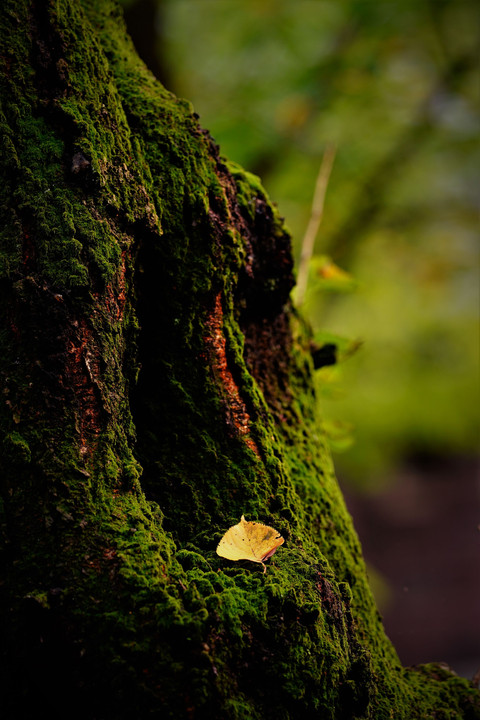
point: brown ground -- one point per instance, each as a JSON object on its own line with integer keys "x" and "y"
{"x": 422, "y": 535}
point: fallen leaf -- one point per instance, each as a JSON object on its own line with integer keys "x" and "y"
{"x": 249, "y": 541}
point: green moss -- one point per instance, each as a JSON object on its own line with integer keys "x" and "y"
{"x": 140, "y": 422}
{"x": 16, "y": 448}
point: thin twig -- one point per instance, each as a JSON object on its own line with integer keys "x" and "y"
{"x": 315, "y": 220}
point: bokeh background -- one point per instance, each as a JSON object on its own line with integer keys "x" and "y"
{"x": 393, "y": 86}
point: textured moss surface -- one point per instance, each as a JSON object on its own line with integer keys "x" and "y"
{"x": 156, "y": 385}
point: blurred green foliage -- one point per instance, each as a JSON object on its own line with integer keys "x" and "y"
{"x": 394, "y": 84}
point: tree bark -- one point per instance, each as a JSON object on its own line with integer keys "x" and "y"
{"x": 156, "y": 385}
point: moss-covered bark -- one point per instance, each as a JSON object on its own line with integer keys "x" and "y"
{"x": 156, "y": 385}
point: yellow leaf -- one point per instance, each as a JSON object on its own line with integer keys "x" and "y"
{"x": 249, "y": 541}
{"x": 330, "y": 271}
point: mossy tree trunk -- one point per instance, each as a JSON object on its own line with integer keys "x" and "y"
{"x": 156, "y": 385}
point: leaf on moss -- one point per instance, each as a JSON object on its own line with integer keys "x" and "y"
{"x": 249, "y": 541}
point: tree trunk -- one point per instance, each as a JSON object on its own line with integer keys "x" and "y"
{"x": 156, "y": 385}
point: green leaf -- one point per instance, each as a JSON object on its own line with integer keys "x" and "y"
{"x": 331, "y": 349}
{"x": 340, "y": 434}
